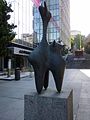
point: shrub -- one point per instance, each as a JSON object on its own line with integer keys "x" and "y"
{"x": 87, "y": 47}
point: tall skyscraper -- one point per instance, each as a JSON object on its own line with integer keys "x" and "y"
{"x": 59, "y": 27}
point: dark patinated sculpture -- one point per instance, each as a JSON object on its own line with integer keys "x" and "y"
{"x": 47, "y": 57}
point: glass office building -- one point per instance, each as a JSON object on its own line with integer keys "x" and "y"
{"x": 59, "y": 26}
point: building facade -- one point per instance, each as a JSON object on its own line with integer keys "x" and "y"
{"x": 65, "y": 22}
{"x": 59, "y": 26}
{"x": 21, "y": 16}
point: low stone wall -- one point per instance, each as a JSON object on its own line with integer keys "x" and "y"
{"x": 78, "y": 64}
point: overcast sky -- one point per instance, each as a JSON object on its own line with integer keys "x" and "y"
{"x": 80, "y": 16}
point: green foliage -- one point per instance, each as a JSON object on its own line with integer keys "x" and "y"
{"x": 6, "y": 29}
{"x": 78, "y": 40}
{"x": 72, "y": 42}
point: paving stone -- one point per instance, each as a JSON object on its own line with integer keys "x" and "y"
{"x": 83, "y": 115}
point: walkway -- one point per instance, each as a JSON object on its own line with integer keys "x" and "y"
{"x": 12, "y": 77}
{"x": 12, "y": 94}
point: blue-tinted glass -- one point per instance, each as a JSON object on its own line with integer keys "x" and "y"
{"x": 58, "y": 35}
{"x": 38, "y": 37}
{"x": 52, "y": 28}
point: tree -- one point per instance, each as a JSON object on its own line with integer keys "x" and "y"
{"x": 6, "y": 29}
{"x": 78, "y": 40}
{"x": 87, "y": 44}
{"x": 87, "y": 47}
{"x": 72, "y": 41}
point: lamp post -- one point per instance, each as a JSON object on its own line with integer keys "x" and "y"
{"x": 9, "y": 55}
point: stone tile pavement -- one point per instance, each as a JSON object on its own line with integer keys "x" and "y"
{"x": 12, "y": 94}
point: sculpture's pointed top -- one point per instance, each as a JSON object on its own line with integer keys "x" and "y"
{"x": 45, "y": 5}
{"x": 46, "y": 16}
{"x": 53, "y": 43}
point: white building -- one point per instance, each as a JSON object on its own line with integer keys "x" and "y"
{"x": 21, "y": 16}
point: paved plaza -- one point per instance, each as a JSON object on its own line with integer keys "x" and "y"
{"x": 12, "y": 94}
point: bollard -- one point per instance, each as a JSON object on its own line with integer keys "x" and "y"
{"x": 17, "y": 74}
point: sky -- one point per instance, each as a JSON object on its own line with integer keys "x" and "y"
{"x": 80, "y": 16}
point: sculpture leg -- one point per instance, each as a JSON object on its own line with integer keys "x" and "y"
{"x": 46, "y": 79}
{"x": 58, "y": 77}
{"x": 39, "y": 81}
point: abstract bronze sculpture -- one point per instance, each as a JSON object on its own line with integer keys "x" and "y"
{"x": 47, "y": 57}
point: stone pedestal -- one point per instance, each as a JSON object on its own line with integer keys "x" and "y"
{"x": 49, "y": 106}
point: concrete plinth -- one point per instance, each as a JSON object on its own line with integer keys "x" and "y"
{"x": 49, "y": 106}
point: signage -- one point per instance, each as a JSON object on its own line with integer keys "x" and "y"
{"x": 20, "y": 51}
